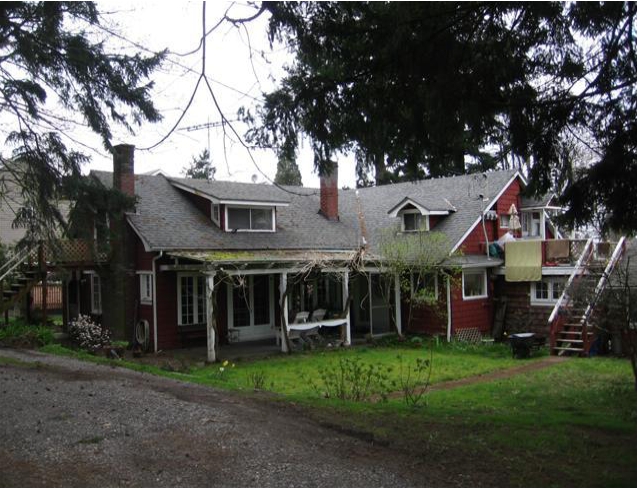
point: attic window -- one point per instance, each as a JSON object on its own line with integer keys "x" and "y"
{"x": 413, "y": 221}
{"x": 214, "y": 212}
{"x": 250, "y": 219}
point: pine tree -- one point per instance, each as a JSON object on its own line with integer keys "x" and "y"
{"x": 288, "y": 172}
{"x": 201, "y": 167}
{"x": 52, "y": 65}
{"x": 425, "y": 89}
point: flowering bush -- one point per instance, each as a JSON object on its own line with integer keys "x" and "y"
{"x": 87, "y": 334}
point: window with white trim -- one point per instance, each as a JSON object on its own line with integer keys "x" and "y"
{"x": 214, "y": 212}
{"x": 146, "y": 288}
{"x": 547, "y": 291}
{"x": 250, "y": 218}
{"x": 414, "y": 221}
{"x": 191, "y": 299}
{"x": 504, "y": 221}
{"x": 531, "y": 224}
{"x": 96, "y": 293}
{"x": 474, "y": 284}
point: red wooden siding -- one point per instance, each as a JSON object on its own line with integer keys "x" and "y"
{"x": 426, "y": 320}
{"x": 473, "y": 313}
{"x": 509, "y": 197}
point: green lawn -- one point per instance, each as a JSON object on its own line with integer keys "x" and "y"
{"x": 568, "y": 424}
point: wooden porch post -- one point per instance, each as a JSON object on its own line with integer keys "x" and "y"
{"x": 211, "y": 336}
{"x": 345, "y": 295}
{"x": 283, "y": 301}
{"x": 449, "y": 309}
{"x": 397, "y": 302}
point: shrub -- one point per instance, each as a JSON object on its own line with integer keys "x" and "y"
{"x": 88, "y": 335}
{"x": 414, "y": 379}
{"x": 351, "y": 380}
{"x": 22, "y": 335}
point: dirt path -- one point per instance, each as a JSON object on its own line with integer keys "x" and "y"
{"x": 70, "y": 423}
{"x": 491, "y": 376}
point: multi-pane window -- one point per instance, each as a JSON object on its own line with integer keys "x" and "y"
{"x": 414, "y": 221}
{"x": 215, "y": 212}
{"x": 96, "y": 294}
{"x": 249, "y": 219}
{"x": 474, "y": 284}
{"x": 547, "y": 291}
{"x": 192, "y": 300}
{"x": 531, "y": 224}
{"x": 251, "y": 302}
{"x": 146, "y": 288}
{"x": 425, "y": 284}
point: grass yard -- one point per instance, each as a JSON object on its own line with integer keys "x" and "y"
{"x": 571, "y": 423}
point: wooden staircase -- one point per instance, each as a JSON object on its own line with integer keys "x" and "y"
{"x": 16, "y": 279}
{"x": 572, "y": 323}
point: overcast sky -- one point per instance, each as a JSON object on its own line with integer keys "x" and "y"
{"x": 240, "y": 66}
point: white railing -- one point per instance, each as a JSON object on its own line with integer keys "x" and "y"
{"x": 605, "y": 276}
{"x": 14, "y": 262}
{"x": 577, "y": 270}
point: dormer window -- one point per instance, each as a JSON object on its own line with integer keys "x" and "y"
{"x": 214, "y": 212}
{"x": 241, "y": 218}
{"x": 415, "y": 216}
{"x": 413, "y": 221}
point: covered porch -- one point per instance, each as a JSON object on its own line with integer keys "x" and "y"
{"x": 284, "y": 297}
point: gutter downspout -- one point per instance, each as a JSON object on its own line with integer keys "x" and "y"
{"x": 487, "y": 241}
{"x": 161, "y": 253}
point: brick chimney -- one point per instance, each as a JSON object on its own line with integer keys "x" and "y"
{"x": 329, "y": 192}
{"x": 124, "y": 168}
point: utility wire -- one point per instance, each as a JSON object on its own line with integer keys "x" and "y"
{"x": 225, "y": 122}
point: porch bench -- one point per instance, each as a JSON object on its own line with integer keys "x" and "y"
{"x": 302, "y": 330}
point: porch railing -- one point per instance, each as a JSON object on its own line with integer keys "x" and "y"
{"x": 558, "y": 316}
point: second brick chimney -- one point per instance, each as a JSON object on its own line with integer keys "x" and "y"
{"x": 124, "y": 168}
{"x": 329, "y": 193}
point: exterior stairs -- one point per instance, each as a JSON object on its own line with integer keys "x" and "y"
{"x": 572, "y": 324}
{"x": 17, "y": 278}
{"x": 19, "y": 286}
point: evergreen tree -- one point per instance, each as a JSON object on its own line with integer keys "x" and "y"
{"x": 288, "y": 172}
{"x": 50, "y": 57}
{"x": 201, "y": 167}
{"x": 418, "y": 89}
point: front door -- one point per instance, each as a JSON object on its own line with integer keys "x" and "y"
{"x": 251, "y": 307}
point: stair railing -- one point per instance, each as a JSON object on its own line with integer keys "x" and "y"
{"x": 556, "y": 320}
{"x": 600, "y": 287}
{"x": 14, "y": 262}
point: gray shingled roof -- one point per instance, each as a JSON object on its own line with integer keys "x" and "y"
{"x": 235, "y": 190}
{"x": 535, "y": 203}
{"x": 167, "y": 220}
{"x": 461, "y": 191}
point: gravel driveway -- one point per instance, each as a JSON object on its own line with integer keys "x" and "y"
{"x": 68, "y": 423}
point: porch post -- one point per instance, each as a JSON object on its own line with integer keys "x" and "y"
{"x": 283, "y": 301}
{"x": 345, "y": 294}
{"x": 449, "y": 309}
{"x": 210, "y": 327}
{"x": 397, "y": 302}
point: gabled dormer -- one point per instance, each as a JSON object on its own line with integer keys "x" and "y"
{"x": 236, "y": 207}
{"x": 418, "y": 216}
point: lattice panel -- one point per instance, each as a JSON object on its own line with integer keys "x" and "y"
{"x": 469, "y": 335}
